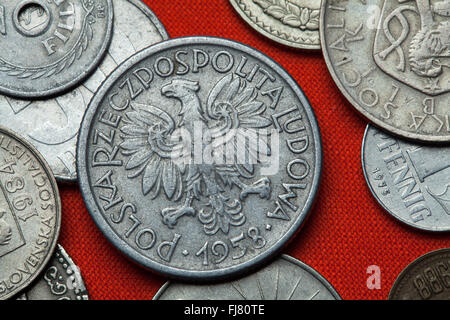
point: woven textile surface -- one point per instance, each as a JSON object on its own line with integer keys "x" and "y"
{"x": 347, "y": 231}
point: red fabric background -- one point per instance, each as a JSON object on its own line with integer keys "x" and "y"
{"x": 347, "y": 230}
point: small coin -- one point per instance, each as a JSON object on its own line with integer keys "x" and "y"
{"x": 284, "y": 279}
{"x": 199, "y": 158}
{"x": 61, "y": 281}
{"x": 52, "y": 125}
{"x": 411, "y": 181}
{"x": 30, "y": 214}
{"x": 390, "y": 60}
{"x": 294, "y": 23}
{"x": 51, "y": 46}
{"x": 426, "y": 278}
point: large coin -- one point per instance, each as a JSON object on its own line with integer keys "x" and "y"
{"x": 30, "y": 214}
{"x": 412, "y": 182}
{"x": 61, "y": 281}
{"x": 284, "y": 279}
{"x": 426, "y": 278}
{"x": 52, "y": 125}
{"x": 390, "y": 58}
{"x": 50, "y": 46}
{"x": 294, "y": 23}
{"x": 199, "y": 158}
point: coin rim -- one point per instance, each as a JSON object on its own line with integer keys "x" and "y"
{"x": 379, "y": 123}
{"x": 122, "y": 245}
{"x": 411, "y": 265}
{"x": 270, "y": 36}
{"x": 44, "y": 94}
{"x": 164, "y": 35}
{"x": 290, "y": 259}
{"x": 58, "y": 210}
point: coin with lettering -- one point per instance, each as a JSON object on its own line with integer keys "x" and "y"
{"x": 62, "y": 280}
{"x": 30, "y": 214}
{"x": 51, "y": 46}
{"x": 199, "y": 158}
{"x": 294, "y": 23}
{"x": 52, "y": 125}
{"x": 411, "y": 181}
{"x": 390, "y": 59}
{"x": 426, "y": 278}
{"x": 284, "y": 279}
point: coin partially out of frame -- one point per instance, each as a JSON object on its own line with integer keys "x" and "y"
{"x": 412, "y": 182}
{"x": 61, "y": 281}
{"x": 30, "y": 214}
{"x": 426, "y": 278}
{"x": 390, "y": 58}
{"x": 52, "y": 125}
{"x": 51, "y": 46}
{"x": 294, "y": 23}
{"x": 284, "y": 279}
{"x": 199, "y": 158}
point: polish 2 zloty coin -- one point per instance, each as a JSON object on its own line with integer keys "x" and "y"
{"x": 199, "y": 158}
{"x": 411, "y": 181}
{"x": 61, "y": 281}
{"x": 390, "y": 58}
{"x": 426, "y": 278}
{"x": 52, "y": 125}
{"x": 284, "y": 279}
{"x": 51, "y": 46}
{"x": 294, "y": 23}
{"x": 30, "y": 214}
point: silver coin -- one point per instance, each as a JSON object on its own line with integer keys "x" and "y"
{"x": 410, "y": 181}
{"x": 284, "y": 279}
{"x": 30, "y": 214}
{"x": 51, "y": 46}
{"x": 61, "y": 281}
{"x": 391, "y": 61}
{"x": 152, "y": 148}
{"x": 52, "y": 125}
{"x": 294, "y": 23}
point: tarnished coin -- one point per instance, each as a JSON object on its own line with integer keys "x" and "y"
{"x": 30, "y": 214}
{"x": 284, "y": 279}
{"x": 426, "y": 278}
{"x": 411, "y": 181}
{"x": 294, "y": 23}
{"x": 52, "y": 125}
{"x": 61, "y": 281}
{"x": 51, "y": 46}
{"x": 199, "y": 158}
{"x": 390, "y": 58}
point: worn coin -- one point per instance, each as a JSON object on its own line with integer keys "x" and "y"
{"x": 199, "y": 158}
{"x": 411, "y": 181}
{"x": 61, "y": 281}
{"x": 51, "y": 46}
{"x": 52, "y": 125}
{"x": 390, "y": 58}
{"x": 30, "y": 214}
{"x": 294, "y": 23}
{"x": 284, "y": 279}
{"x": 426, "y": 278}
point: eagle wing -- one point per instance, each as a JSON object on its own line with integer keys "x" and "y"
{"x": 148, "y": 141}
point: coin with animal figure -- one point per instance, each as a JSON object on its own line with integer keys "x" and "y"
{"x": 426, "y": 278}
{"x": 62, "y": 280}
{"x": 411, "y": 181}
{"x": 49, "y": 47}
{"x": 284, "y": 279}
{"x": 391, "y": 59}
{"x": 30, "y": 214}
{"x": 199, "y": 158}
{"x": 294, "y": 23}
{"x": 52, "y": 125}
